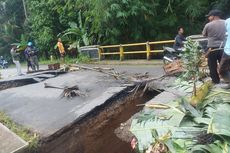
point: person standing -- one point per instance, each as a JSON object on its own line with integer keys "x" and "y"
{"x": 26, "y": 53}
{"x": 31, "y": 56}
{"x": 225, "y": 61}
{"x": 61, "y": 49}
{"x": 16, "y": 58}
{"x": 179, "y": 39}
{"x": 34, "y": 56}
{"x": 215, "y": 32}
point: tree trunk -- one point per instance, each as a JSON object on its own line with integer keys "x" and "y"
{"x": 24, "y": 5}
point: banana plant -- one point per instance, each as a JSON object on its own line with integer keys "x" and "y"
{"x": 22, "y": 44}
{"x": 77, "y": 34}
{"x": 191, "y": 57}
{"x": 182, "y": 128}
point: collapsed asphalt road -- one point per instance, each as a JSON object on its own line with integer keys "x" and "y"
{"x": 44, "y": 112}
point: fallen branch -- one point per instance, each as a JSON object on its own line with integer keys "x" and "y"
{"x": 46, "y": 85}
{"x": 145, "y": 83}
{"x": 101, "y": 70}
{"x": 155, "y": 106}
{"x": 139, "y": 80}
{"x": 68, "y": 92}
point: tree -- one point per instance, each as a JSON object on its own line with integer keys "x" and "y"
{"x": 42, "y": 25}
{"x": 102, "y": 21}
{"x": 11, "y": 24}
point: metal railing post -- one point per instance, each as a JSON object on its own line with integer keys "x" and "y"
{"x": 121, "y": 53}
{"x": 99, "y": 54}
{"x": 148, "y": 50}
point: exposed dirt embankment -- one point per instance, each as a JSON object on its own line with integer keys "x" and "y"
{"x": 94, "y": 133}
{"x": 28, "y": 79}
{"x": 16, "y": 83}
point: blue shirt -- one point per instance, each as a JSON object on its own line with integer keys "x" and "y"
{"x": 227, "y": 44}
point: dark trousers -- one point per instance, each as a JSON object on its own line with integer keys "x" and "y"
{"x": 225, "y": 67}
{"x": 213, "y": 58}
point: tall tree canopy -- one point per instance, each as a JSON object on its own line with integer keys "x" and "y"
{"x": 100, "y": 21}
{"x": 11, "y": 24}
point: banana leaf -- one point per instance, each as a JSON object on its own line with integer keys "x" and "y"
{"x": 186, "y": 123}
{"x": 220, "y": 122}
{"x": 144, "y": 130}
{"x": 216, "y": 147}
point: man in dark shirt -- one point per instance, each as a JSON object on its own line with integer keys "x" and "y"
{"x": 31, "y": 56}
{"x": 178, "y": 45}
{"x": 215, "y": 32}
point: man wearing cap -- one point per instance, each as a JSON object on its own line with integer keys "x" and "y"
{"x": 225, "y": 61}
{"x": 215, "y": 32}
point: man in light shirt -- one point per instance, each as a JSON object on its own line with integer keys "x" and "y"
{"x": 16, "y": 59}
{"x": 225, "y": 61}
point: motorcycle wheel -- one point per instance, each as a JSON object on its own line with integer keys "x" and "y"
{"x": 166, "y": 62}
{"x": 5, "y": 66}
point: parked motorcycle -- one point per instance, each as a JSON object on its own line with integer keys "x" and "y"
{"x": 170, "y": 54}
{"x": 3, "y": 63}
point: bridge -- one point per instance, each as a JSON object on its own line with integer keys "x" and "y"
{"x": 147, "y": 48}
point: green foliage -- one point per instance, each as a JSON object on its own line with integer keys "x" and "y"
{"x": 11, "y": 24}
{"x": 83, "y": 58}
{"x": 202, "y": 129}
{"x": 135, "y": 20}
{"x": 191, "y": 57}
{"x": 143, "y": 130}
{"x": 42, "y": 25}
{"x": 100, "y": 21}
{"x": 77, "y": 34}
{"x": 22, "y": 132}
{"x": 68, "y": 60}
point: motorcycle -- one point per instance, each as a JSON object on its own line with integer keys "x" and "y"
{"x": 170, "y": 54}
{"x": 3, "y": 64}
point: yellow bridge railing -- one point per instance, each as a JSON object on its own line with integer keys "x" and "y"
{"x": 122, "y": 52}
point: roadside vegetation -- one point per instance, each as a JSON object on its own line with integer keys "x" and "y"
{"x": 196, "y": 122}
{"x": 24, "y": 133}
{"x": 97, "y": 22}
{"x": 81, "y": 58}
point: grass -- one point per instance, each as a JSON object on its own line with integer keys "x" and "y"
{"x": 24, "y": 133}
{"x": 68, "y": 60}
